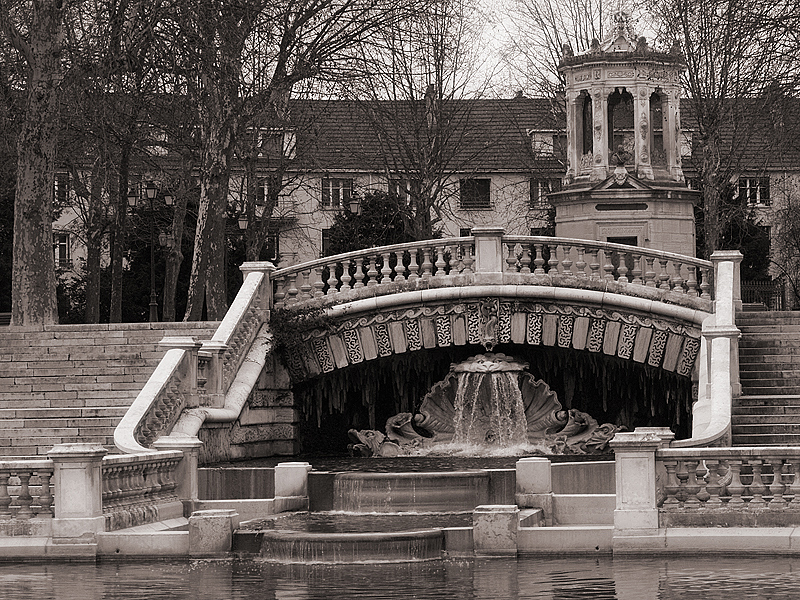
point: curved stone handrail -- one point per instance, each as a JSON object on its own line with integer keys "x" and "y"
{"x": 158, "y": 405}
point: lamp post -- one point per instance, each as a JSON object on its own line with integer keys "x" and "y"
{"x": 151, "y": 191}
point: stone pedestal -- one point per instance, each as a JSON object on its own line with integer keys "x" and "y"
{"x": 186, "y": 472}
{"x": 636, "y": 513}
{"x": 534, "y": 486}
{"x": 291, "y": 479}
{"x": 494, "y": 529}
{"x": 78, "y": 485}
{"x": 489, "y": 255}
{"x": 211, "y": 532}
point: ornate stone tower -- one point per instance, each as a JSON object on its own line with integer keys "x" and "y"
{"x": 624, "y": 181}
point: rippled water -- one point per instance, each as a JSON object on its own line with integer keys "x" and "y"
{"x": 706, "y": 578}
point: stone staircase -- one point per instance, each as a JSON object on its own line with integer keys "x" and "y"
{"x": 73, "y": 383}
{"x": 768, "y": 412}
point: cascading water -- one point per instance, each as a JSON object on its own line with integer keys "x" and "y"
{"x": 487, "y": 405}
{"x": 489, "y": 410}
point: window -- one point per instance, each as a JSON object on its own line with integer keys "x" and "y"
{"x": 61, "y": 188}
{"x": 326, "y": 241}
{"x": 270, "y": 249}
{"x": 465, "y": 232}
{"x": 474, "y": 194}
{"x": 539, "y": 190}
{"x": 404, "y": 189}
{"x": 336, "y": 192}
{"x": 754, "y": 190}
{"x": 61, "y": 250}
{"x": 542, "y": 142}
{"x": 273, "y": 143}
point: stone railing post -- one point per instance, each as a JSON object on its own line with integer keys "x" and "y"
{"x": 489, "y": 256}
{"x": 78, "y": 485}
{"x": 211, "y": 353}
{"x": 265, "y": 291}
{"x": 186, "y": 473}
{"x": 291, "y": 479}
{"x": 636, "y": 513}
{"x": 727, "y": 280}
{"x": 188, "y": 368}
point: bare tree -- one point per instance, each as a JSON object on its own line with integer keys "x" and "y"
{"x": 239, "y": 57}
{"x": 35, "y": 30}
{"x": 738, "y": 61}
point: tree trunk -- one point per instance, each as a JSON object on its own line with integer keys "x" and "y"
{"x": 175, "y": 253}
{"x": 207, "y": 280}
{"x": 33, "y": 285}
{"x": 713, "y": 222}
{"x": 95, "y": 228}
{"x": 118, "y": 237}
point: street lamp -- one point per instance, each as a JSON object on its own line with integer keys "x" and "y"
{"x": 354, "y": 205}
{"x": 132, "y": 197}
{"x": 243, "y": 222}
{"x": 151, "y": 191}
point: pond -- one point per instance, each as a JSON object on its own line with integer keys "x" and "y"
{"x": 565, "y": 578}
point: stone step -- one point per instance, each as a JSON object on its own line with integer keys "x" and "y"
{"x": 749, "y": 411}
{"x": 765, "y": 440}
{"x": 768, "y": 317}
{"x": 768, "y": 400}
{"x": 565, "y": 539}
{"x": 765, "y": 419}
{"x": 767, "y": 379}
{"x": 753, "y": 357}
{"x": 103, "y": 412}
{"x": 754, "y": 390}
{"x": 780, "y": 342}
{"x": 769, "y": 429}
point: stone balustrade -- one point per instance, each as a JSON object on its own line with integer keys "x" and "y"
{"x": 25, "y": 490}
{"x": 729, "y": 486}
{"x": 140, "y": 488}
{"x": 519, "y": 260}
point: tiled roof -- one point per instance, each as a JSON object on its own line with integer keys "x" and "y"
{"x": 477, "y": 135}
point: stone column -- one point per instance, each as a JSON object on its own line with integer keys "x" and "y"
{"x": 642, "y": 131}
{"x": 636, "y": 513}
{"x": 573, "y": 133}
{"x": 489, "y": 255}
{"x": 186, "y": 473}
{"x": 599, "y": 134}
{"x": 78, "y": 492}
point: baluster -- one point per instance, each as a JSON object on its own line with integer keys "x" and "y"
{"x": 682, "y": 473}
{"x": 457, "y": 255}
{"x": 305, "y": 288}
{"x": 553, "y": 260}
{"x": 511, "y": 259}
{"x": 594, "y": 266}
{"x": 702, "y": 475}
{"x": 672, "y": 485}
{"x": 677, "y": 278}
{"x": 292, "y": 291}
{"x": 45, "y": 495}
{"x": 538, "y": 260}
{"x": 713, "y": 487}
{"x": 637, "y": 270}
{"x": 359, "y": 274}
{"x": 608, "y": 266}
{"x": 372, "y": 272}
{"x": 663, "y": 276}
{"x": 319, "y": 284}
{"x": 705, "y": 284}
{"x": 566, "y": 261}
{"x": 332, "y": 279}
{"x": 794, "y": 486}
{"x": 346, "y": 278}
{"x": 623, "y": 268}
{"x": 692, "y": 485}
{"x": 280, "y": 292}
{"x": 5, "y": 499}
{"x": 413, "y": 267}
{"x": 386, "y": 269}
{"x": 440, "y": 263}
{"x": 776, "y": 486}
{"x": 581, "y": 263}
{"x": 650, "y": 273}
{"x": 427, "y": 265}
{"x": 735, "y": 488}
{"x": 399, "y": 268}
{"x": 24, "y": 500}
{"x": 691, "y": 282}
{"x": 468, "y": 259}
{"x": 757, "y": 487}
{"x": 525, "y": 259}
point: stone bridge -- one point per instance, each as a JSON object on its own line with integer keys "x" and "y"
{"x": 655, "y": 309}
{"x": 488, "y": 289}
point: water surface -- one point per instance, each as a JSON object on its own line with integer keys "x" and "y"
{"x": 690, "y": 578}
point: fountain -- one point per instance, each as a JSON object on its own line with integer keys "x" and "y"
{"x": 487, "y": 405}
